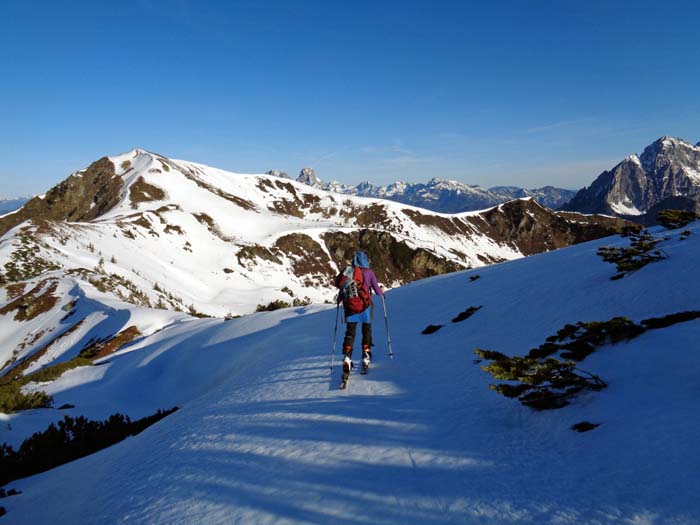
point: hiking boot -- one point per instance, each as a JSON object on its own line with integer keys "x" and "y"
{"x": 366, "y": 357}
{"x": 347, "y": 364}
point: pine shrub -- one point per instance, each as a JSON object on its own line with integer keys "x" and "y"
{"x": 70, "y": 439}
{"x": 273, "y": 305}
{"x": 466, "y": 314}
{"x": 541, "y": 383}
{"x": 641, "y": 251}
{"x": 13, "y": 399}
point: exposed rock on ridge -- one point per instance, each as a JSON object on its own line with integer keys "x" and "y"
{"x": 666, "y": 174}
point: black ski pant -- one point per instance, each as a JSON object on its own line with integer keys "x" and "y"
{"x": 350, "y": 331}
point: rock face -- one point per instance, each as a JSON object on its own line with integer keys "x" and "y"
{"x": 83, "y": 196}
{"x": 532, "y": 228}
{"x": 308, "y": 176}
{"x": 278, "y": 173}
{"x": 640, "y": 186}
{"x": 393, "y": 259}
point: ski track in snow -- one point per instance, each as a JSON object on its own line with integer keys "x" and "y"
{"x": 265, "y": 436}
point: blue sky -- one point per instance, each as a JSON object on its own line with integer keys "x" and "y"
{"x": 521, "y": 93}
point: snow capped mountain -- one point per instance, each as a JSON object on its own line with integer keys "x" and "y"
{"x": 263, "y": 434}
{"x": 243, "y": 240}
{"x": 447, "y": 196}
{"x": 278, "y": 173}
{"x": 308, "y": 176}
{"x": 175, "y": 235}
{"x": 666, "y": 174}
{"x": 548, "y": 196}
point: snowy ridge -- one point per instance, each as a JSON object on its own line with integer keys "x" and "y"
{"x": 179, "y": 235}
{"x": 446, "y": 196}
{"x": 264, "y": 436}
{"x": 207, "y": 215}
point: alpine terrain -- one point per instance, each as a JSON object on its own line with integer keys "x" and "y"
{"x": 665, "y": 176}
{"x": 151, "y": 232}
{"x": 263, "y": 435}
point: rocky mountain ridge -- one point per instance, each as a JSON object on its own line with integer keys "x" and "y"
{"x": 255, "y": 229}
{"x": 440, "y": 195}
{"x": 151, "y": 236}
{"x": 665, "y": 175}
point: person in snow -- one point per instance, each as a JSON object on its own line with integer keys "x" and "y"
{"x": 361, "y": 261}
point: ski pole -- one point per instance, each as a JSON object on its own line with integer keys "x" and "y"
{"x": 335, "y": 332}
{"x": 386, "y": 323}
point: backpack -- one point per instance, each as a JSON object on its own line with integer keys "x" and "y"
{"x": 353, "y": 291}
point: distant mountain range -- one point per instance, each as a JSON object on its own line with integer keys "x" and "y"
{"x": 440, "y": 195}
{"x": 666, "y": 175}
{"x": 8, "y": 204}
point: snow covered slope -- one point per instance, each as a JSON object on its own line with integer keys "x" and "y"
{"x": 177, "y": 235}
{"x": 265, "y": 436}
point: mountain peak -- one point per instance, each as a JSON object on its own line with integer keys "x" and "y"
{"x": 308, "y": 176}
{"x": 278, "y": 173}
{"x": 668, "y": 168}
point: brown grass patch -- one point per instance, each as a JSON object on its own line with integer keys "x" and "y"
{"x": 37, "y": 301}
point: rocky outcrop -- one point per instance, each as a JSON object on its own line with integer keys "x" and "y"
{"x": 394, "y": 261}
{"x": 83, "y": 196}
{"x": 308, "y": 176}
{"x": 531, "y": 228}
{"x": 638, "y": 187}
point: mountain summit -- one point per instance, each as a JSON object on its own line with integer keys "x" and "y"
{"x": 665, "y": 175}
{"x": 308, "y": 176}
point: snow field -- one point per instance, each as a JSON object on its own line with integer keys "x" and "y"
{"x": 265, "y": 436}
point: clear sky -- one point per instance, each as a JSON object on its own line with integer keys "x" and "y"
{"x": 521, "y": 93}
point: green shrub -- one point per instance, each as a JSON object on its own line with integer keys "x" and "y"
{"x": 466, "y": 314}
{"x": 545, "y": 382}
{"x": 70, "y": 439}
{"x": 584, "y": 426}
{"x": 301, "y": 302}
{"x": 273, "y": 305}
{"x": 576, "y": 341}
{"x": 542, "y": 383}
{"x": 13, "y": 399}
{"x": 641, "y": 251}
